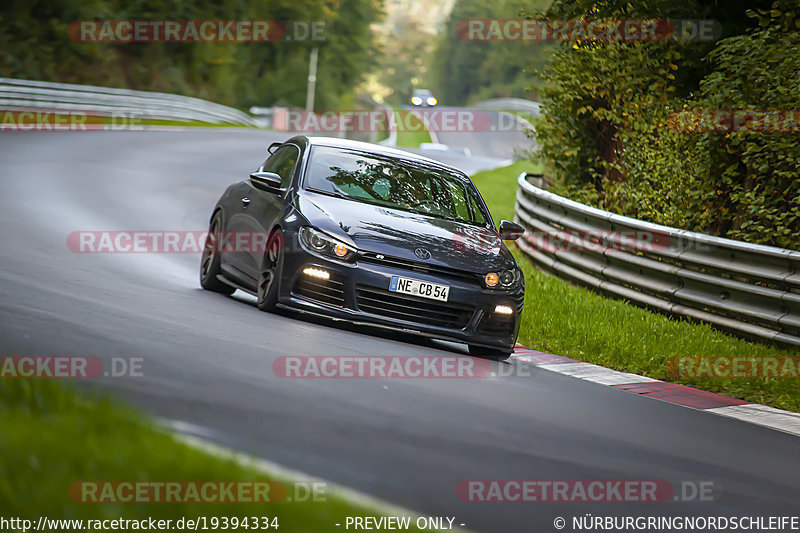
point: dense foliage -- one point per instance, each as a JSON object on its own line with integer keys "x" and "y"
{"x": 35, "y": 44}
{"x": 610, "y": 136}
{"x": 466, "y": 71}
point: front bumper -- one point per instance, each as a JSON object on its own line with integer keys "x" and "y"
{"x": 358, "y": 293}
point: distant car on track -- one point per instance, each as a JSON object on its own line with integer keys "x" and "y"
{"x": 369, "y": 234}
{"x": 423, "y": 98}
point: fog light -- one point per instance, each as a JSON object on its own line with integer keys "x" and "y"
{"x": 316, "y": 273}
{"x": 503, "y": 310}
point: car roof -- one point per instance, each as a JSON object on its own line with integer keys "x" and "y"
{"x": 336, "y": 142}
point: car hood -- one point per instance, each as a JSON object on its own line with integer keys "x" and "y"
{"x": 398, "y": 233}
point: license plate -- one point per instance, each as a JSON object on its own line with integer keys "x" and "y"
{"x": 416, "y": 287}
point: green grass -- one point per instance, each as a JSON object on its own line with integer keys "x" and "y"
{"x": 53, "y": 436}
{"x": 411, "y": 132}
{"x": 528, "y": 117}
{"x": 578, "y": 323}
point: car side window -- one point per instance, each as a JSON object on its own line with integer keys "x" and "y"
{"x": 282, "y": 163}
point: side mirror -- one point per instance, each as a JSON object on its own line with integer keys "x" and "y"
{"x": 510, "y": 231}
{"x": 266, "y": 181}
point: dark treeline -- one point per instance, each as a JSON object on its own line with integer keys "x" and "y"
{"x": 35, "y": 43}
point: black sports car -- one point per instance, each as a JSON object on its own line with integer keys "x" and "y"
{"x": 368, "y": 234}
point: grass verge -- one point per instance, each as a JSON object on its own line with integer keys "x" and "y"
{"x": 54, "y": 436}
{"x": 411, "y": 131}
{"x": 578, "y": 323}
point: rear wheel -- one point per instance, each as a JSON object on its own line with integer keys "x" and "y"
{"x": 269, "y": 278}
{"x": 209, "y": 264}
{"x": 495, "y": 354}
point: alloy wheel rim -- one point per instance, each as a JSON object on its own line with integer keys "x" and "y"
{"x": 210, "y": 250}
{"x": 266, "y": 275}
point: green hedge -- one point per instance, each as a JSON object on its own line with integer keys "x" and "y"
{"x": 610, "y": 137}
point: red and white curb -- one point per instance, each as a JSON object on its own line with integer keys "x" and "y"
{"x": 719, "y": 404}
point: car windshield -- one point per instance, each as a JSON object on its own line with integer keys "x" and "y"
{"x": 397, "y": 183}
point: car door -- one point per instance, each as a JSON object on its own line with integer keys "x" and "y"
{"x": 259, "y": 211}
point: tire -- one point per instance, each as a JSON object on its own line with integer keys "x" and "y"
{"x": 209, "y": 263}
{"x": 269, "y": 277}
{"x": 495, "y": 354}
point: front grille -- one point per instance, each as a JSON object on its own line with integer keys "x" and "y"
{"x": 497, "y": 325}
{"x": 413, "y": 309}
{"x": 417, "y": 266}
{"x": 327, "y": 291}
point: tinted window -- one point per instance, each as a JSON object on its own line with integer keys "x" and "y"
{"x": 399, "y": 183}
{"x": 282, "y": 163}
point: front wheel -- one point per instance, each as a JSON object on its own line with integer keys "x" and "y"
{"x": 209, "y": 264}
{"x": 269, "y": 278}
{"x": 495, "y": 354}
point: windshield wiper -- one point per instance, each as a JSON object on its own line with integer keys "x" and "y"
{"x": 330, "y": 193}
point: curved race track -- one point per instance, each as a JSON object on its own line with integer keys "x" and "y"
{"x": 208, "y": 358}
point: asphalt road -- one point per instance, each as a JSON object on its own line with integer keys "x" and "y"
{"x": 208, "y": 358}
{"x": 487, "y": 134}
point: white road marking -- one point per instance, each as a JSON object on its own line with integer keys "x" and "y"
{"x": 597, "y": 374}
{"x": 763, "y": 415}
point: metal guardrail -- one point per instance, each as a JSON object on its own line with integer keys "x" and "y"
{"x": 511, "y": 104}
{"x": 748, "y": 289}
{"x": 30, "y": 95}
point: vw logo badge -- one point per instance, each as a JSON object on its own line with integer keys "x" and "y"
{"x": 422, "y": 253}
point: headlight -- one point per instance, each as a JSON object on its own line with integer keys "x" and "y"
{"x": 431, "y": 101}
{"x": 325, "y": 245}
{"x": 503, "y": 280}
{"x": 416, "y": 100}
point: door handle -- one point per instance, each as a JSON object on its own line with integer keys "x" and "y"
{"x": 245, "y": 202}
